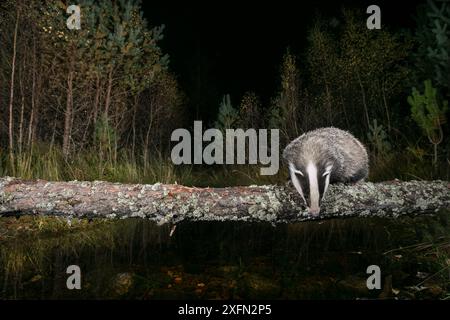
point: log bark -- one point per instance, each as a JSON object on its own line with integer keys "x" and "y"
{"x": 174, "y": 203}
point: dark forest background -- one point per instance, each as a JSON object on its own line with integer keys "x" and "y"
{"x": 101, "y": 102}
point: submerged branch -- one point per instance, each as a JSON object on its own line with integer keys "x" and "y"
{"x": 174, "y": 203}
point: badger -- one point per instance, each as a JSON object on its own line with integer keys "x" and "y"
{"x": 323, "y": 156}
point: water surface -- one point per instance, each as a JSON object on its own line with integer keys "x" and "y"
{"x": 135, "y": 259}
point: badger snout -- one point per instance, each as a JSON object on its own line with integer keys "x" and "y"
{"x": 314, "y": 211}
{"x": 313, "y": 207}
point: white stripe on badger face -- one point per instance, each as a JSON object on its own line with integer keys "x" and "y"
{"x": 314, "y": 195}
{"x": 295, "y": 182}
{"x": 327, "y": 183}
{"x": 327, "y": 179}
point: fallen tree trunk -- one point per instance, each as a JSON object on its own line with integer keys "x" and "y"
{"x": 174, "y": 203}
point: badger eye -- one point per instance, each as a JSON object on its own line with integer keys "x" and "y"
{"x": 327, "y": 170}
{"x": 295, "y": 170}
{"x": 326, "y": 173}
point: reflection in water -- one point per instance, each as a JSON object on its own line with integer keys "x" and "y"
{"x": 135, "y": 259}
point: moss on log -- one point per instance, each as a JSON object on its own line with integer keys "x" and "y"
{"x": 174, "y": 203}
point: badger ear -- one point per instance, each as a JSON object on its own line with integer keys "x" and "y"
{"x": 294, "y": 170}
{"x": 327, "y": 170}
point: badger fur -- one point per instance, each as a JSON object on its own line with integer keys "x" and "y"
{"x": 323, "y": 156}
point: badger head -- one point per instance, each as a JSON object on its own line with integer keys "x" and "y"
{"x": 311, "y": 181}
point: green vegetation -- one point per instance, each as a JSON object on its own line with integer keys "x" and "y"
{"x": 100, "y": 102}
{"x": 228, "y": 116}
{"x": 431, "y": 58}
{"x": 104, "y": 89}
{"x": 429, "y": 114}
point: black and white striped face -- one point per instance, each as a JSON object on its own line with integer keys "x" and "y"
{"x": 311, "y": 183}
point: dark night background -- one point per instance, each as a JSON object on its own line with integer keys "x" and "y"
{"x": 101, "y": 104}
{"x": 220, "y": 47}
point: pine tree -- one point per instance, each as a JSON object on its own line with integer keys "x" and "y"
{"x": 249, "y": 111}
{"x": 228, "y": 116}
{"x": 433, "y": 39}
{"x": 284, "y": 113}
{"x": 115, "y": 52}
{"x": 429, "y": 113}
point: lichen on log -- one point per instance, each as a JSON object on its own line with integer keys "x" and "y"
{"x": 171, "y": 203}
